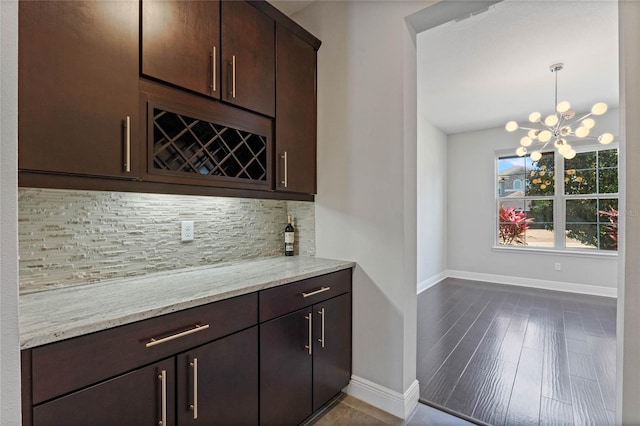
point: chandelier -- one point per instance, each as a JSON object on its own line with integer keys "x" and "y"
{"x": 557, "y": 127}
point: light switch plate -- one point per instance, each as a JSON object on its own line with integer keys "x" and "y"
{"x": 187, "y": 230}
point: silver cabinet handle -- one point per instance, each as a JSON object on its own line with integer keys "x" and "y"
{"x": 308, "y": 347}
{"x": 194, "y": 406}
{"x": 213, "y": 69}
{"x": 313, "y": 293}
{"x": 285, "y": 182}
{"x": 233, "y": 76}
{"x": 127, "y": 144}
{"x": 163, "y": 402}
{"x": 321, "y": 339}
{"x": 197, "y": 328}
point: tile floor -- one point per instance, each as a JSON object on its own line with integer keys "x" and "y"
{"x": 349, "y": 411}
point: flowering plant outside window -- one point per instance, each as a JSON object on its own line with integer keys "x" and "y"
{"x": 610, "y": 230}
{"x": 513, "y": 225}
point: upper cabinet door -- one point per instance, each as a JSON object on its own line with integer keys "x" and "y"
{"x": 78, "y": 91}
{"x": 296, "y": 114}
{"x": 248, "y": 57}
{"x": 181, "y": 44}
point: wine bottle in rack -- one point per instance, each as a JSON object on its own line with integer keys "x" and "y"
{"x": 289, "y": 238}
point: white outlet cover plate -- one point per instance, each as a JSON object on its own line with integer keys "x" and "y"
{"x": 187, "y": 230}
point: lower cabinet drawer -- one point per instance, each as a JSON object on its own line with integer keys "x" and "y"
{"x": 72, "y": 364}
{"x": 291, "y": 297}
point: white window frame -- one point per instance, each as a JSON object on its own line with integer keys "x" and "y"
{"x": 559, "y": 205}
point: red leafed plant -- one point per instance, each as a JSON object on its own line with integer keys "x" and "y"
{"x": 610, "y": 230}
{"x": 512, "y": 226}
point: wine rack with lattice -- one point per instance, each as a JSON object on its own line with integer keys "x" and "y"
{"x": 191, "y": 146}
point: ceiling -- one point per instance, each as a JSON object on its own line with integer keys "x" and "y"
{"x": 487, "y": 69}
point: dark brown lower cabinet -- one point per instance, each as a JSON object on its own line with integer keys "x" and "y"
{"x": 332, "y": 348}
{"x": 305, "y": 360}
{"x": 285, "y": 370}
{"x": 144, "y": 396}
{"x": 271, "y": 357}
{"x": 214, "y": 384}
{"x": 218, "y": 382}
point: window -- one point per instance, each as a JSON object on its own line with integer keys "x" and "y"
{"x": 556, "y": 203}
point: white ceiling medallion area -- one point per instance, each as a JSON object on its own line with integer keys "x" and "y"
{"x": 492, "y": 67}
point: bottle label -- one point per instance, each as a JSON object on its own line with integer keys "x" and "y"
{"x": 289, "y": 237}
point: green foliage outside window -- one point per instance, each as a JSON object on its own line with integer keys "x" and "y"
{"x": 591, "y": 217}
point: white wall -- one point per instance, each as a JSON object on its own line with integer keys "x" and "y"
{"x": 471, "y": 214}
{"x": 628, "y": 359}
{"x": 9, "y": 343}
{"x": 365, "y": 207}
{"x": 432, "y": 199}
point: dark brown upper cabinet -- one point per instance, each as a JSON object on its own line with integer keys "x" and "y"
{"x": 181, "y": 44}
{"x": 78, "y": 87}
{"x": 248, "y": 57}
{"x": 295, "y": 113}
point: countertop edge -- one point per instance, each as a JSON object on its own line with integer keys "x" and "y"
{"x": 33, "y": 339}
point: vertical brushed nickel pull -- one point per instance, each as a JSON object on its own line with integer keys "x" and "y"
{"x": 213, "y": 70}
{"x": 308, "y": 318}
{"x": 127, "y": 144}
{"x": 163, "y": 403}
{"x": 285, "y": 182}
{"x": 321, "y": 339}
{"x": 194, "y": 406}
{"x": 233, "y": 76}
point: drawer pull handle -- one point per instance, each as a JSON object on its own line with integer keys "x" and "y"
{"x": 153, "y": 341}
{"x": 285, "y": 182}
{"x": 321, "y": 339}
{"x": 163, "y": 392}
{"x": 308, "y": 347}
{"x": 233, "y": 76}
{"x": 127, "y": 144}
{"x": 194, "y": 406}
{"x": 313, "y": 293}
{"x": 213, "y": 69}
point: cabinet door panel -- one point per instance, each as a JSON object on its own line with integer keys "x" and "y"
{"x": 132, "y": 399}
{"x": 226, "y": 384}
{"x": 178, "y": 42}
{"x": 78, "y": 71}
{"x": 285, "y": 370}
{"x": 295, "y": 113}
{"x": 332, "y": 348}
{"x": 248, "y": 35}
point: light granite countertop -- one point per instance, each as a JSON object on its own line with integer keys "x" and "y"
{"x": 54, "y": 315}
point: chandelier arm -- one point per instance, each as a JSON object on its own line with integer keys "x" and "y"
{"x": 583, "y": 117}
{"x": 556, "y": 91}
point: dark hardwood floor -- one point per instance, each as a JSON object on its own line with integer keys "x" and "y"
{"x": 508, "y": 355}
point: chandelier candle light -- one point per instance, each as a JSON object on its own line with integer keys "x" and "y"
{"x": 557, "y": 127}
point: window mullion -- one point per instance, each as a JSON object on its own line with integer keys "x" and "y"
{"x": 559, "y": 202}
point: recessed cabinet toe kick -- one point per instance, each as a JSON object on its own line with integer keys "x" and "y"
{"x": 271, "y": 357}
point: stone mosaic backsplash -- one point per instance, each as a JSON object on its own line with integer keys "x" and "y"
{"x": 76, "y": 237}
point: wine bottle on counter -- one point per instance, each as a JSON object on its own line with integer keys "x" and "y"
{"x": 289, "y": 238}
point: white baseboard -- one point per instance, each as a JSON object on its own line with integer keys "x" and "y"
{"x": 400, "y": 405}
{"x": 430, "y": 282}
{"x": 529, "y": 282}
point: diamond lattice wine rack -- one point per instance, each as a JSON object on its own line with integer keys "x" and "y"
{"x": 191, "y": 147}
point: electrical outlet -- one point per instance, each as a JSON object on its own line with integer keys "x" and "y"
{"x": 187, "y": 230}
{"x": 558, "y": 266}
